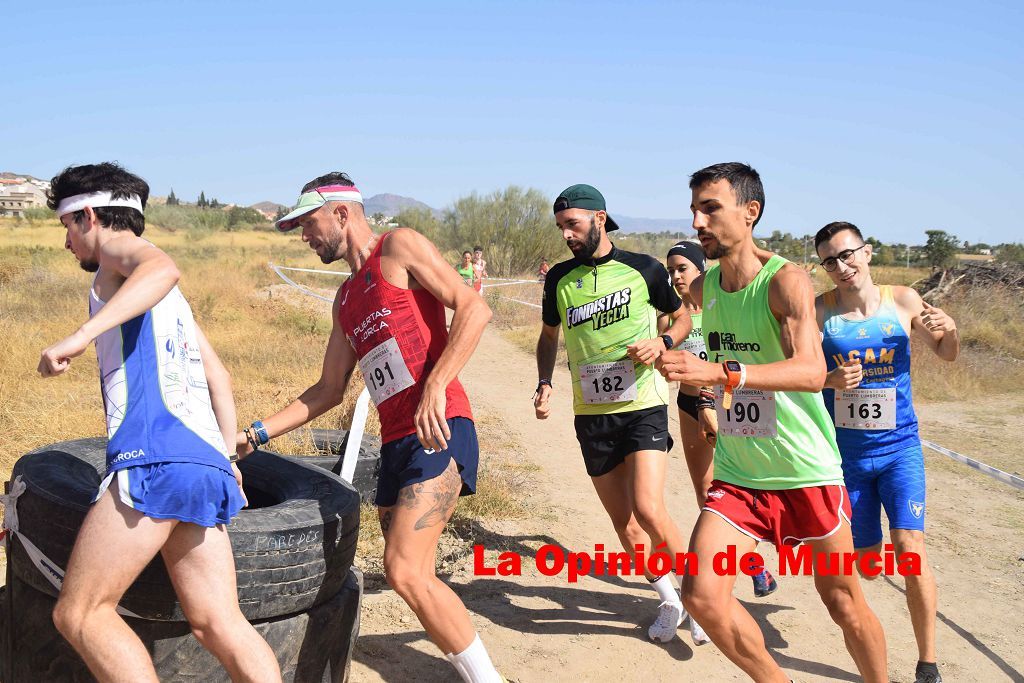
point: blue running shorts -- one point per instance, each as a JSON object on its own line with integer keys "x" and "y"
{"x": 894, "y": 481}
{"x": 186, "y": 491}
{"x": 404, "y": 462}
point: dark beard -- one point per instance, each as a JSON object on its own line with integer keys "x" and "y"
{"x": 332, "y": 254}
{"x": 89, "y": 266}
{"x": 585, "y": 249}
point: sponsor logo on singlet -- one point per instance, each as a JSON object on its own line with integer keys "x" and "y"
{"x": 726, "y": 341}
{"x": 602, "y": 312}
{"x": 124, "y": 456}
{"x": 372, "y": 324}
{"x": 877, "y": 363}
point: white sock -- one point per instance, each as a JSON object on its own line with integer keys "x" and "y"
{"x": 474, "y": 664}
{"x": 666, "y": 588}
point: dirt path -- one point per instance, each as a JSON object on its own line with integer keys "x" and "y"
{"x": 546, "y": 629}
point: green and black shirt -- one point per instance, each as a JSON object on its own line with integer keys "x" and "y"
{"x": 603, "y": 306}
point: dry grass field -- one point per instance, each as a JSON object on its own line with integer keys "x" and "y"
{"x": 270, "y": 336}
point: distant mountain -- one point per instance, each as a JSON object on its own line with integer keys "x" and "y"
{"x": 272, "y": 207}
{"x": 393, "y": 204}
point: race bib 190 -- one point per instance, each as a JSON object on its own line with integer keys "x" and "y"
{"x": 695, "y": 345}
{"x": 752, "y": 413}
{"x": 866, "y": 408}
{"x": 608, "y": 382}
{"x": 385, "y": 371}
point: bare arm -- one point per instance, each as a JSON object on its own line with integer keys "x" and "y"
{"x": 547, "y": 353}
{"x": 424, "y": 263}
{"x": 219, "y": 383}
{"x": 339, "y": 362}
{"x": 932, "y": 325}
{"x": 149, "y": 275}
{"x": 791, "y": 299}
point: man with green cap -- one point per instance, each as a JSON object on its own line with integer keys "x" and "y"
{"x": 608, "y": 302}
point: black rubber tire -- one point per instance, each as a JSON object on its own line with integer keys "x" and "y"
{"x": 314, "y": 646}
{"x": 293, "y": 546}
{"x": 331, "y": 443}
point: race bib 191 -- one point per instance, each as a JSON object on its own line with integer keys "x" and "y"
{"x": 385, "y": 371}
{"x": 866, "y": 408}
{"x": 608, "y": 382}
{"x": 752, "y": 413}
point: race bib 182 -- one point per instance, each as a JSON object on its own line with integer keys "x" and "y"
{"x": 608, "y": 382}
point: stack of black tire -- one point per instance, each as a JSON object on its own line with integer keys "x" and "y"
{"x": 293, "y": 548}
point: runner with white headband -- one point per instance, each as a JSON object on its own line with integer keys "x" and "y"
{"x": 172, "y": 486}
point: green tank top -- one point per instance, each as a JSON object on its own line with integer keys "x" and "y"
{"x": 466, "y": 273}
{"x": 694, "y": 342}
{"x": 766, "y": 440}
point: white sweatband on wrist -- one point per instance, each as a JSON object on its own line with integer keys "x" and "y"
{"x": 96, "y": 200}
{"x": 743, "y": 376}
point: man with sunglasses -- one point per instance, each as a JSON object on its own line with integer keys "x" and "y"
{"x": 866, "y": 332}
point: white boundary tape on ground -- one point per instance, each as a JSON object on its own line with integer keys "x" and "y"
{"x": 293, "y": 283}
{"x": 999, "y": 475}
{"x": 312, "y": 270}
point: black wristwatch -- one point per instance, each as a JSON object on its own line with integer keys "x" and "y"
{"x": 667, "y": 339}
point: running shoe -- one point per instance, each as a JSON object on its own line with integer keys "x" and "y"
{"x": 670, "y": 615}
{"x": 928, "y": 677}
{"x": 697, "y": 633}
{"x": 764, "y": 584}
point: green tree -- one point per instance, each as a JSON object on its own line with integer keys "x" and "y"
{"x": 941, "y": 248}
{"x": 214, "y": 204}
{"x": 172, "y": 199}
{"x": 514, "y": 225}
{"x": 202, "y": 203}
{"x": 1011, "y": 253}
{"x": 282, "y": 211}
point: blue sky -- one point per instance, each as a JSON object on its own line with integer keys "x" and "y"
{"x": 899, "y": 117}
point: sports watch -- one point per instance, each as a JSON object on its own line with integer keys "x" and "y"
{"x": 667, "y": 339}
{"x": 735, "y": 378}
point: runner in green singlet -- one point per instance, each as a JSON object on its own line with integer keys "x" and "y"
{"x": 607, "y": 302}
{"x": 698, "y": 425}
{"x": 465, "y": 269}
{"x": 777, "y": 470}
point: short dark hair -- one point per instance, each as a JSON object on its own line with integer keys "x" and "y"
{"x": 745, "y": 181}
{"x": 467, "y": 252}
{"x": 833, "y": 229}
{"x": 332, "y": 178}
{"x": 478, "y": 248}
{"x": 106, "y": 177}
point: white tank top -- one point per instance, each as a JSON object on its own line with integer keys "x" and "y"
{"x": 157, "y": 402}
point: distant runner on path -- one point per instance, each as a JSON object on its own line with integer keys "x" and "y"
{"x": 777, "y": 470}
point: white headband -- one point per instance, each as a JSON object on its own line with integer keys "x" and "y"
{"x": 96, "y": 199}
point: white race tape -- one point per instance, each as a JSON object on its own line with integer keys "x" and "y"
{"x": 304, "y": 290}
{"x": 999, "y": 475}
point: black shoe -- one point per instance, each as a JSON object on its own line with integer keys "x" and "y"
{"x": 927, "y": 673}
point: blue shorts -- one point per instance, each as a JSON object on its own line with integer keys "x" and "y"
{"x": 894, "y": 481}
{"x": 404, "y": 462}
{"x": 186, "y": 491}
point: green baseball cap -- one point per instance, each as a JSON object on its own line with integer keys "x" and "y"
{"x": 584, "y": 197}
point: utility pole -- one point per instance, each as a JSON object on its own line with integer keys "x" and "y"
{"x": 908, "y": 255}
